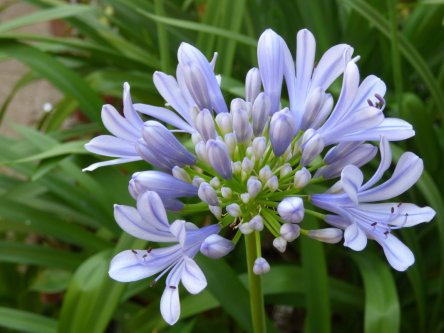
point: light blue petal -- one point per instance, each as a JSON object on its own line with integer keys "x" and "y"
{"x": 169, "y": 89}
{"x": 165, "y": 115}
{"x": 129, "y": 219}
{"x": 399, "y": 256}
{"x": 331, "y": 65}
{"x": 215, "y": 246}
{"x": 354, "y": 237}
{"x": 371, "y": 86}
{"x": 386, "y": 160}
{"x": 407, "y": 172}
{"x": 118, "y": 125}
{"x": 193, "y": 279}
{"x": 128, "y": 108}
{"x": 151, "y": 208}
{"x": 351, "y": 179}
{"x": 270, "y": 55}
{"x": 169, "y": 302}
{"x": 177, "y": 228}
{"x": 392, "y": 128}
{"x": 305, "y": 57}
{"x": 282, "y": 130}
{"x": 112, "y": 146}
{"x": 94, "y": 166}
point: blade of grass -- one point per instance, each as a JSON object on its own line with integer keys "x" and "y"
{"x": 28, "y": 322}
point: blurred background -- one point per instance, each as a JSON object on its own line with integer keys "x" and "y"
{"x": 61, "y": 60}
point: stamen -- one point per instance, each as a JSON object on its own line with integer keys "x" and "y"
{"x": 134, "y": 251}
{"x": 370, "y": 103}
{"x": 173, "y": 287}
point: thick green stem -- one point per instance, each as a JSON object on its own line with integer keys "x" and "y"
{"x": 255, "y": 286}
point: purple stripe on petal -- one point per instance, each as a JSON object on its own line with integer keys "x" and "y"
{"x": 150, "y": 206}
{"x": 351, "y": 179}
{"x": 169, "y": 302}
{"x": 305, "y": 56}
{"x": 219, "y": 158}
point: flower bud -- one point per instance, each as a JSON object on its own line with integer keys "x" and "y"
{"x": 312, "y": 146}
{"x": 234, "y": 210}
{"x": 215, "y": 182}
{"x": 201, "y": 151}
{"x": 245, "y": 197}
{"x": 226, "y": 192}
{"x": 261, "y": 266}
{"x": 290, "y": 231}
{"x": 216, "y": 210}
{"x": 260, "y": 113}
{"x": 197, "y": 181}
{"x": 282, "y": 130}
{"x": 236, "y": 167}
{"x": 219, "y": 158}
{"x": 245, "y": 228}
{"x": 241, "y": 125}
{"x": 247, "y": 165}
{"x": 196, "y": 84}
{"x": 254, "y": 186}
{"x": 257, "y": 223}
{"x": 291, "y": 209}
{"x": 224, "y": 122}
{"x": 215, "y": 246}
{"x": 259, "y": 146}
{"x": 286, "y": 169}
{"x": 302, "y": 178}
{"x": 265, "y": 173}
{"x": 280, "y": 244}
{"x": 327, "y": 235}
{"x": 205, "y": 125}
{"x": 181, "y": 174}
{"x": 272, "y": 183}
{"x": 252, "y": 85}
{"x": 207, "y": 194}
{"x": 231, "y": 142}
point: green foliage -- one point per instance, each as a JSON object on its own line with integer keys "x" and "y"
{"x": 57, "y": 232}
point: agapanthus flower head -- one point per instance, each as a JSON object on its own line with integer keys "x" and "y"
{"x": 255, "y": 163}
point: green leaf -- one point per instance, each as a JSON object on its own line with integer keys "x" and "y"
{"x": 26, "y": 254}
{"x": 51, "y": 281}
{"x": 93, "y": 296}
{"x": 382, "y": 311}
{"x": 23, "y": 321}
{"x": 316, "y": 282}
{"x": 63, "y": 78}
{"x": 55, "y": 13}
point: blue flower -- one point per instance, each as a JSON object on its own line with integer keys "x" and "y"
{"x": 149, "y": 222}
{"x": 361, "y": 218}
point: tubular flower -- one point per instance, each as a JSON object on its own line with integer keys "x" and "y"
{"x": 149, "y": 222}
{"x": 254, "y": 164}
{"x": 361, "y": 218}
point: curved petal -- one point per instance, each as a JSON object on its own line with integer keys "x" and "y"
{"x": 188, "y": 54}
{"x": 305, "y": 56}
{"x": 170, "y": 303}
{"x": 169, "y": 89}
{"x": 331, "y": 65}
{"x": 386, "y": 160}
{"x": 118, "y": 125}
{"x": 337, "y": 221}
{"x": 407, "y": 172}
{"x": 164, "y": 115}
{"x": 94, "y": 166}
{"x": 270, "y": 55}
{"x": 129, "y": 219}
{"x": 133, "y": 265}
{"x": 193, "y": 279}
{"x": 399, "y": 256}
{"x": 392, "y": 128}
{"x": 112, "y": 146}
{"x": 354, "y": 237}
{"x": 128, "y": 108}
{"x": 177, "y": 228}
{"x": 151, "y": 209}
{"x": 351, "y": 179}
{"x": 164, "y": 184}
{"x": 371, "y": 86}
